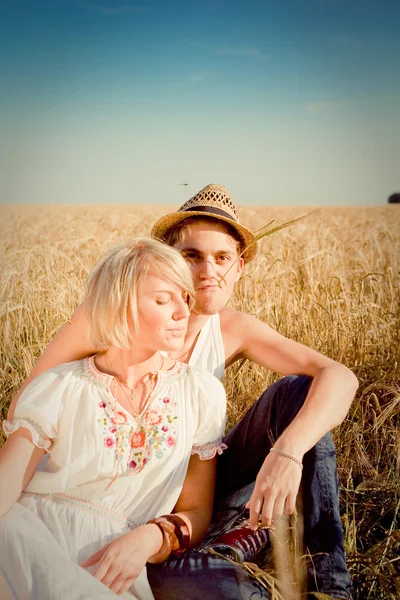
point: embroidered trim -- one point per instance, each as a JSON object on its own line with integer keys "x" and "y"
{"x": 39, "y": 438}
{"x": 209, "y": 450}
{"x": 88, "y": 506}
{"x": 90, "y": 371}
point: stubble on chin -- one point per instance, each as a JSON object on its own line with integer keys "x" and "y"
{"x": 208, "y": 306}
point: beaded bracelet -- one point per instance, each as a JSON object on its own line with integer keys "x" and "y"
{"x": 176, "y": 537}
{"x": 287, "y": 455}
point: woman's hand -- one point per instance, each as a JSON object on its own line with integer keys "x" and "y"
{"x": 120, "y": 562}
{"x": 275, "y": 492}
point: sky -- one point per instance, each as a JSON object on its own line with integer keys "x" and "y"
{"x": 295, "y": 102}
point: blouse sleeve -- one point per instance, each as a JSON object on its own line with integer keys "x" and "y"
{"x": 211, "y": 417}
{"x": 39, "y": 407}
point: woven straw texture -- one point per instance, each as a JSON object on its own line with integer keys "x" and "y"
{"x": 213, "y": 195}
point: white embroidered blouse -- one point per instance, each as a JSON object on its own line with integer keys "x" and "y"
{"x": 100, "y": 457}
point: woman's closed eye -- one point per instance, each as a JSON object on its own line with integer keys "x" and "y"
{"x": 163, "y": 301}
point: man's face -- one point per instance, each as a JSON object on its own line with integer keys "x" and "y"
{"x": 211, "y": 251}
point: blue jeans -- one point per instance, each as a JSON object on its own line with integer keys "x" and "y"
{"x": 201, "y": 576}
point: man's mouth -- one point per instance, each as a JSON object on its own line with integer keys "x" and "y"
{"x": 209, "y": 287}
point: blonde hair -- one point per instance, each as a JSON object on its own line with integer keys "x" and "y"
{"x": 112, "y": 287}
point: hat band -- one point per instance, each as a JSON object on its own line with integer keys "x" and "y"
{"x": 209, "y": 209}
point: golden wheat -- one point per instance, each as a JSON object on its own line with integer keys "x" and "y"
{"x": 330, "y": 281}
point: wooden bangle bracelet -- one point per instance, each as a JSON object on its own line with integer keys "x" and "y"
{"x": 176, "y": 537}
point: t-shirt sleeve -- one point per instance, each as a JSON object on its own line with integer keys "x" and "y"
{"x": 39, "y": 407}
{"x": 211, "y": 418}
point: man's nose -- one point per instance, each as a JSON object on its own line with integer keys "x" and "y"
{"x": 207, "y": 269}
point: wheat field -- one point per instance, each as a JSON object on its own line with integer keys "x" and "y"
{"x": 330, "y": 281}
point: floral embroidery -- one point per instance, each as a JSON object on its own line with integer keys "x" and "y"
{"x": 119, "y": 417}
{"x": 153, "y": 418}
{"x": 135, "y": 441}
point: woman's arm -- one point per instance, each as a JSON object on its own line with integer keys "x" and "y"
{"x": 195, "y": 502}
{"x": 119, "y": 563}
{"x": 19, "y": 459}
{"x": 70, "y": 343}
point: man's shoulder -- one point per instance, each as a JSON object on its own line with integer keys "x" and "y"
{"x": 230, "y": 317}
{"x": 235, "y": 329}
{"x": 241, "y": 332}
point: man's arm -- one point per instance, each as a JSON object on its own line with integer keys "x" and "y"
{"x": 70, "y": 343}
{"x": 327, "y": 403}
{"x": 333, "y": 387}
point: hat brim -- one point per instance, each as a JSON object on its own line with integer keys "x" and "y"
{"x": 165, "y": 223}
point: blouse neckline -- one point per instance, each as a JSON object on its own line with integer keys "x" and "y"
{"x": 106, "y": 379}
{"x": 109, "y": 381}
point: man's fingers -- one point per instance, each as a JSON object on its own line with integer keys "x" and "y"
{"x": 279, "y": 506}
{"x": 290, "y": 505}
{"x": 267, "y": 511}
{"x": 255, "y": 505}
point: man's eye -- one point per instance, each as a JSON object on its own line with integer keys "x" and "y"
{"x": 191, "y": 256}
{"x": 223, "y": 258}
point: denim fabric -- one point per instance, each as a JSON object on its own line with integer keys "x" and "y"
{"x": 197, "y": 575}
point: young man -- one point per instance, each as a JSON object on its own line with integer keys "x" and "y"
{"x": 284, "y": 438}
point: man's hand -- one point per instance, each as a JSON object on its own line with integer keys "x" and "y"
{"x": 120, "y": 562}
{"x": 275, "y": 492}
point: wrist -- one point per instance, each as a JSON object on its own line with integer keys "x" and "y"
{"x": 295, "y": 447}
{"x": 176, "y": 537}
{"x": 287, "y": 455}
{"x": 154, "y": 538}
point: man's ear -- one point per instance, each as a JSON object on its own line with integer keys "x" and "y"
{"x": 240, "y": 267}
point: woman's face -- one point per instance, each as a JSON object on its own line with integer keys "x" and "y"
{"x": 163, "y": 314}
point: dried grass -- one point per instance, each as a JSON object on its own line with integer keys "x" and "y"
{"x": 330, "y": 281}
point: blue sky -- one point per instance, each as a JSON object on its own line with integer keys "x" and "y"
{"x": 292, "y": 103}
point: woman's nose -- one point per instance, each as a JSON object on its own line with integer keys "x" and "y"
{"x": 182, "y": 312}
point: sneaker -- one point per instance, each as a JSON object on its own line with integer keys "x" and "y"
{"x": 241, "y": 544}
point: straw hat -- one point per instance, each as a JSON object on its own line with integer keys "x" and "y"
{"x": 212, "y": 201}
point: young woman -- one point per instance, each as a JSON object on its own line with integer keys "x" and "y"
{"x": 101, "y": 451}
